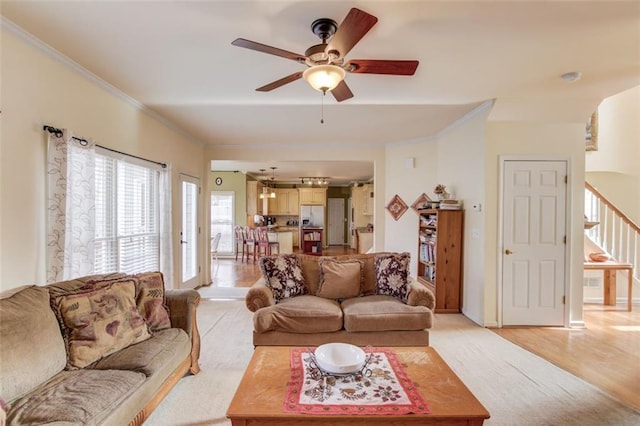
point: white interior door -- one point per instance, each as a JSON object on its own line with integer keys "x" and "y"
{"x": 336, "y": 221}
{"x": 190, "y": 232}
{"x": 534, "y": 242}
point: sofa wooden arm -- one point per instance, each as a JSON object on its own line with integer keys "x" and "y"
{"x": 419, "y": 295}
{"x": 259, "y": 296}
{"x": 183, "y": 305}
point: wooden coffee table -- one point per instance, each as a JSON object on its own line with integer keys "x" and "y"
{"x": 260, "y": 396}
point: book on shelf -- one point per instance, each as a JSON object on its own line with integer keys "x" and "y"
{"x": 450, "y": 205}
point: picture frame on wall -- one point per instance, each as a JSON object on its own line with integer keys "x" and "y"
{"x": 591, "y": 133}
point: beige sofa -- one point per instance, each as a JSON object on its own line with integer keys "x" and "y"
{"x": 40, "y": 381}
{"x": 367, "y": 318}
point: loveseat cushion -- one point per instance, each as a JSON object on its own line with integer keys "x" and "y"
{"x": 98, "y": 322}
{"x": 283, "y": 276}
{"x": 311, "y": 270}
{"x": 166, "y": 349}
{"x": 79, "y": 397}
{"x": 369, "y": 284}
{"x": 31, "y": 347}
{"x": 300, "y": 314}
{"x": 383, "y": 313}
{"x": 340, "y": 279}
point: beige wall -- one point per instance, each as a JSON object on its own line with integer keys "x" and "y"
{"x": 36, "y": 90}
{"x": 614, "y": 169}
{"x": 461, "y": 167}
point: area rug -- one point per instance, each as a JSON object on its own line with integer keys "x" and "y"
{"x": 516, "y": 387}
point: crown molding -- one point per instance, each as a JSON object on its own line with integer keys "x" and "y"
{"x": 51, "y": 52}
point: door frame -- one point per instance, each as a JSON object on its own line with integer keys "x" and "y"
{"x": 502, "y": 160}
{"x": 183, "y": 177}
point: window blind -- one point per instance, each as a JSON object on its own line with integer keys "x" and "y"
{"x": 127, "y": 236}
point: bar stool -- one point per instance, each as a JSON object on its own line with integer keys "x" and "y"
{"x": 249, "y": 242}
{"x": 240, "y": 243}
{"x": 265, "y": 247}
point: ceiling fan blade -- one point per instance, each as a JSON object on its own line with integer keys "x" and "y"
{"x": 342, "y": 92}
{"x": 381, "y": 66}
{"x": 355, "y": 25}
{"x": 259, "y": 47}
{"x": 278, "y": 83}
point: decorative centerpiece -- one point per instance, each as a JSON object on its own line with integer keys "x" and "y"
{"x": 441, "y": 192}
{"x": 339, "y": 359}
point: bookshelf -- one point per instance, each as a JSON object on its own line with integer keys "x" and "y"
{"x": 440, "y": 256}
{"x": 312, "y": 241}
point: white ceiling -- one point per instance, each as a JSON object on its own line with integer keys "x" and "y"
{"x": 177, "y": 59}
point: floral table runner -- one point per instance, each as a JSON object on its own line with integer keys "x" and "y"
{"x": 383, "y": 388}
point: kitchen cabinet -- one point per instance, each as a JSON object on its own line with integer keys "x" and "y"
{"x": 363, "y": 200}
{"x": 367, "y": 200}
{"x": 365, "y": 241}
{"x": 440, "y": 256}
{"x": 254, "y": 202}
{"x": 285, "y": 203}
{"x": 313, "y": 196}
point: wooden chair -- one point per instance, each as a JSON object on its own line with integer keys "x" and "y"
{"x": 264, "y": 246}
{"x": 215, "y": 241}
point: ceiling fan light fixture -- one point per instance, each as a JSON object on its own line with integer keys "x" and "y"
{"x": 324, "y": 78}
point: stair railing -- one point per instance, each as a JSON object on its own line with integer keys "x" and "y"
{"x": 615, "y": 233}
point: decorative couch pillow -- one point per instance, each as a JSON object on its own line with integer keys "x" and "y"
{"x": 340, "y": 279}
{"x": 98, "y": 322}
{"x": 392, "y": 273}
{"x": 150, "y": 297}
{"x": 283, "y": 276}
{"x": 151, "y": 302}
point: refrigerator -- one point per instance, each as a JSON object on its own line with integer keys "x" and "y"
{"x": 311, "y": 216}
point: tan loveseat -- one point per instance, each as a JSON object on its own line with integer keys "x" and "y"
{"x": 41, "y": 346}
{"x": 317, "y": 317}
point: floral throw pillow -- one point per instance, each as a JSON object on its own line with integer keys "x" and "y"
{"x": 392, "y": 273}
{"x": 283, "y": 276}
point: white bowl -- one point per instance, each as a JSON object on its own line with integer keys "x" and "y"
{"x": 340, "y": 358}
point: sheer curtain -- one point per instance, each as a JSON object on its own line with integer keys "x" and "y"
{"x": 166, "y": 246}
{"x": 71, "y": 203}
{"x": 71, "y": 207}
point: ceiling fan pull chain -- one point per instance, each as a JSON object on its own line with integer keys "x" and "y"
{"x": 322, "y": 107}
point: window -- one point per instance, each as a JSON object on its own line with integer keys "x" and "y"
{"x": 127, "y": 231}
{"x": 222, "y": 203}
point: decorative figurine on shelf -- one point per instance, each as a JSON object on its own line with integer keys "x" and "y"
{"x": 441, "y": 192}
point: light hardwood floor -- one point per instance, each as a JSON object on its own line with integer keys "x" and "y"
{"x": 606, "y": 353}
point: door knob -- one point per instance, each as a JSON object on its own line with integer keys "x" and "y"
{"x": 508, "y": 252}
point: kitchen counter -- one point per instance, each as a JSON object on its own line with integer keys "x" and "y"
{"x": 364, "y": 240}
{"x": 285, "y": 238}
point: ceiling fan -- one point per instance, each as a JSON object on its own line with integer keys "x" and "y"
{"x": 326, "y": 61}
